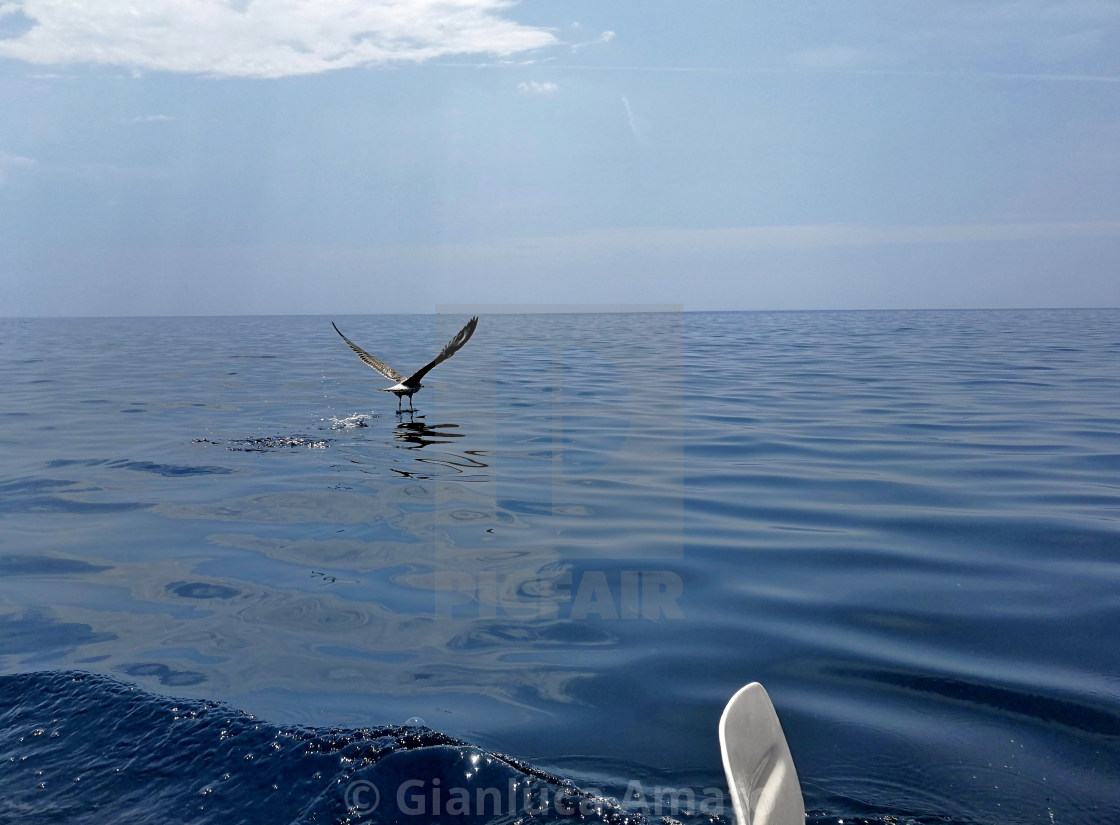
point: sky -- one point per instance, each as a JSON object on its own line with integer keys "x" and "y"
{"x": 213, "y": 157}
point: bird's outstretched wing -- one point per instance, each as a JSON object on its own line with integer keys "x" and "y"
{"x": 453, "y": 346}
{"x": 378, "y": 365}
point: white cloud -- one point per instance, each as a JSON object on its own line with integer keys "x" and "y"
{"x": 264, "y": 38}
{"x": 630, "y": 117}
{"x": 11, "y": 162}
{"x": 605, "y": 37}
{"x": 534, "y": 87}
{"x": 153, "y": 119}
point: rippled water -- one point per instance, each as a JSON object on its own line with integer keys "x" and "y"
{"x": 593, "y": 530}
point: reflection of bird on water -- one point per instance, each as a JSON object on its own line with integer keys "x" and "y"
{"x": 415, "y": 435}
{"x": 409, "y": 386}
{"x": 418, "y": 434}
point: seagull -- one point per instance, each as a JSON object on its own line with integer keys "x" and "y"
{"x": 409, "y": 386}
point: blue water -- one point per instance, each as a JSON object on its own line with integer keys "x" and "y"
{"x": 237, "y": 586}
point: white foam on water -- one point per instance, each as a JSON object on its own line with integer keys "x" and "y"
{"x": 351, "y": 422}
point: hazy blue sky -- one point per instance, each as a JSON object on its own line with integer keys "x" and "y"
{"x": 330, "y": 156}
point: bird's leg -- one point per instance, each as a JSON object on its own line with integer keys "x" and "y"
{"x": 398, "y": 403}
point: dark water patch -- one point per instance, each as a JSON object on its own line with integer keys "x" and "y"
{"x": 16, "y": 565}
{"x": 202, "y": 590}
{"x": 166, "y": 675}
{"x": 34, "y": 485}
{"x": 170, "y": 470}
{"x": 34, "y": 632}
{"x": 37, "y": 495}
{"x": 166, "y": 470}
{"x": 375, "y": 656}
{"x": 542, "y": 634}
{"x": 1029, "y": 535}
{"x": 1107, "y": 462}
{"x": 525, "y": 507}
{"x": 1099, "y": 721}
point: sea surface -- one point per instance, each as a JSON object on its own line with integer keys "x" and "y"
{"x": 237, "y": 586}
